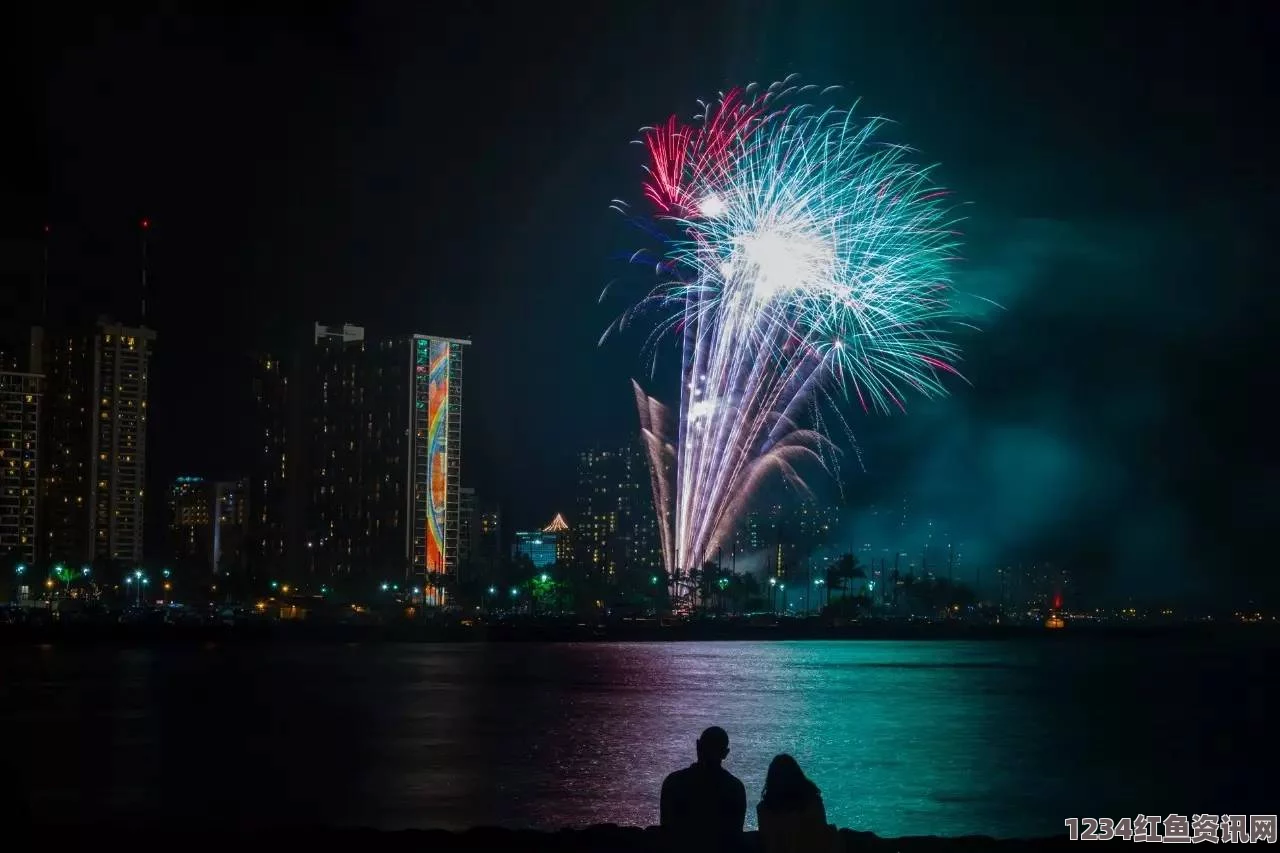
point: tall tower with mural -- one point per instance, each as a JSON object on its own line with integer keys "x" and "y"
{"x": 436, "y": 451}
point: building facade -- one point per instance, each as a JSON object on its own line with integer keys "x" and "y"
{"x": 94, "y": 435}
{"x": 361, "y": 455}
{"x": 538, "y": 545}
{"x": 436, "y": 437}
{"x": 616, "y": 531}
{"x": 190, "y": 510}
{"x": 208, "y": 523}
{"x": 489, "y": 543}
{"x": 564, "y": 538}
{"x": 20, "y": 397}
{"x": 468, "y": 528}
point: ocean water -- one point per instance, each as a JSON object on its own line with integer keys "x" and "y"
{"x": 903, "y": 738}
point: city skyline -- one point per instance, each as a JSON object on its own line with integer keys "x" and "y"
{"x": 1103, "y": 424}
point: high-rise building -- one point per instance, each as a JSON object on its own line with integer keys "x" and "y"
{"x": 208, "y": 522}
{"x": 231, "y": 525}
{"x": 488, "y": 538}
{"x": 94, "y": 440}
{"x": 564, "y": 538}
{"x": 616, "y": 534}
{"x": 436, "y": 438}
{"x": 538, "y": 545}
{"x": 190, "y": 508}
{"x": 277, "y": 484}
{"x": 788, "y": 533}
{"x": 343, "y": 416}
{"x": 20, "y": 395}
{"x": 468, "y": 527}
{"x": 361, "y": 457}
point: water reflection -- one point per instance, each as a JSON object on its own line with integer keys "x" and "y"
{"x": 903, "y": 738}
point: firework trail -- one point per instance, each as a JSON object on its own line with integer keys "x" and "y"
{"x": 804, "y": 264}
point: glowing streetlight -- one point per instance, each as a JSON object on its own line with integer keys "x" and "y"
{"x": 543, "y": 577}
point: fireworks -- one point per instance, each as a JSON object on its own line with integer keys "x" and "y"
{"x": 805, "y": 263}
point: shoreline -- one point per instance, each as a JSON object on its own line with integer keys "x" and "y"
{"x": 607, "y": 838}
{"x": 535, "y": 632}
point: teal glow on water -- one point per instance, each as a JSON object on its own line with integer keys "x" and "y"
{"x": 903, "y": 738}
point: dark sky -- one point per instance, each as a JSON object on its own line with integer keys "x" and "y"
{"x": 418, "y": 170}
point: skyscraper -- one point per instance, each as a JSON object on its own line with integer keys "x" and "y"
{"x": 361, "y": 453}
{"x": 543, "y": 547}
{"x": 564, "y": 538}
{"x": 230, "y": 525}
{"x": 20, "y": 395}
{"x": 190, "y": 533}
{"x": 436, "y": 438}
{"x": 207, "y": 522}
{"x": 616, "y": 532}
{"x": 277, "y": 483}
{"x": 468, "y": 527}
{"x": 489, "y": 538}
{"x": 94, "y": 439}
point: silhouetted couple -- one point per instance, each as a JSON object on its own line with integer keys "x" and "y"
{"x": 704, "y": 806}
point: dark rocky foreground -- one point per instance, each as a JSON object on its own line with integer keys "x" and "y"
{"x": 607, "y": 839}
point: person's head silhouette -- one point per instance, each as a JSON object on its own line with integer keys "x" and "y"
{"x": 785, "y": 785}
{"x": 713, "y": 746}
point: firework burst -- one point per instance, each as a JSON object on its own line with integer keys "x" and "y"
{"x": 805, "y": 263}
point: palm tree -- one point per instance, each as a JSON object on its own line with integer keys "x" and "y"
{"x": 708, "y": 583}
{"x": 831, "y": 578}
{"x": 436, "y": 587}
{"x": 848, "y": 568}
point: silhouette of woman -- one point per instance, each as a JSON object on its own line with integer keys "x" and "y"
{"x": 791, "y": 814}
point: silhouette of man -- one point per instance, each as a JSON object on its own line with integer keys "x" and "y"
{"x": 704, "y": 804}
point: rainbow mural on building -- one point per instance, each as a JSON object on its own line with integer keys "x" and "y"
{"x": 437, "y": 453}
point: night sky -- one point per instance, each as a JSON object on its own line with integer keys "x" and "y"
{"x": 417, "y": 170}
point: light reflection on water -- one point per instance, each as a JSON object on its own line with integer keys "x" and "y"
{"x": 903, "y": 737}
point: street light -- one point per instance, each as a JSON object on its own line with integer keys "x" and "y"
{"x": 543, "y": 577}
{"x": 20, "y": 569}
{"x": 385, "y": 587}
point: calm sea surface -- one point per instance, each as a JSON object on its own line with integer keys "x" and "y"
{"x": 996, "y": 738}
